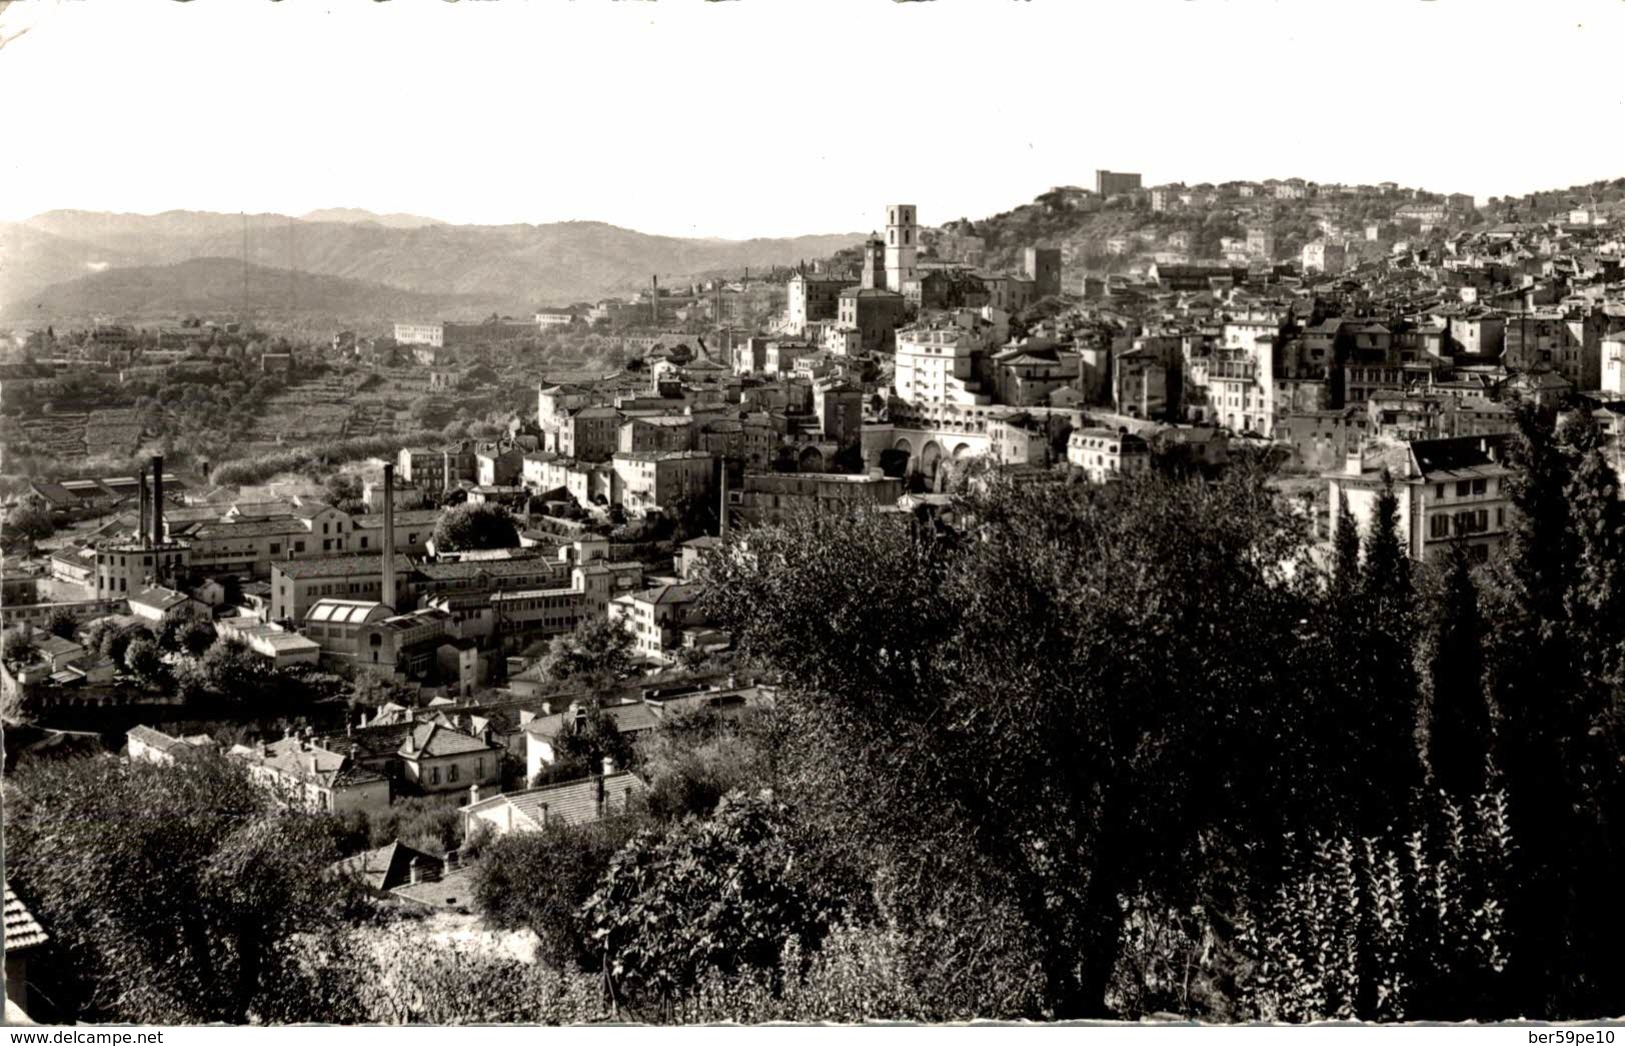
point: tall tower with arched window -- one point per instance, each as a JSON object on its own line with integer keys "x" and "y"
{"x": 902, "y": 240}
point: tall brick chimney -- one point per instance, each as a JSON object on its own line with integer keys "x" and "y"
{"x": 157, "y": 499}
{"x": 722, "y": 510}
{"x": 389, "y": 537}
{"x": 142, "y": 530}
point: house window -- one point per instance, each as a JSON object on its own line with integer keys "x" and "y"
{"x": 1438, "y": 491}
{"x": 479, "y": 767}
{"x": 276, "y": 548}
{"x": 298, "y": 546}
{"x": 434, "y": 775}
{"x": 451, "y": 774}
{"x": 1480, "y": 486}
{"x": 1463, "y": 488}
{"x": 1439, "y": 526}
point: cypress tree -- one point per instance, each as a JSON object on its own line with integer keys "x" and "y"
{"x": 1387, "y": 575}
{"x": 1552, "y": 741}
{"x": 1458, "y": 720}
{"x": 1345, "y": 546}
{"x": 1390, "y": 706}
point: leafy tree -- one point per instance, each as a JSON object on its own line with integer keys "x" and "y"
{"x": 342, "y": 486}
{"x": 693, "y": 759}
{"x": 29, "y": 520}
{"x": 1384, "y": 929}
{"x": 164, "y": 887}
{"x": 597, "y": 651}
{"x": 471, "y": 527}
{"x": 234, "y": 672}
{"x": 169, "y": 633}
{"x": 62, "y": 624}
{"x": 144, "y": 660}
{"x": 196, "y": 637}
{"x": 540, "y": 880}
{"x": 693, "y": 514}
{"x": 16, "y": 648}
{"x": 720, "y": 894}
{"x": 585, "y": 743}
{"x": 424, "y": 824}
{"x": 109, "y": 638}
{"x": 370, "y": 689}
{"x": 1027, "y": 713}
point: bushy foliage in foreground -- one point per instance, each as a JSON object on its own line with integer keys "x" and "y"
{"x": 1096, "y": 752}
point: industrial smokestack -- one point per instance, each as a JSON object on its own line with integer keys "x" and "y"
{"x": 142, "y": 530}
{"x": 389, "y": 537}
{"x": 654, "y": 300}
{"x": 722, "y": 512}
{"x": 158, "y": 499}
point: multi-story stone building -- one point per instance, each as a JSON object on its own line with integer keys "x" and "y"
{"x": 813, "y": 297}
{"x": 1446, "y": 488}
{"x": 1105, "y": 454}
{"x": 936, "y": 366}
{"x": 1116, "y": 183}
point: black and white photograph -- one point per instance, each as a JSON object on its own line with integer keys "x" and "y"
{"x": 626, "y": 514}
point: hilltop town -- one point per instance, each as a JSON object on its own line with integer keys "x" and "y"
{"x": 460, "y": 584}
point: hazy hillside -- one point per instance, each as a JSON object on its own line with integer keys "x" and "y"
{"x": 530, "y": 264}
{"x": 214, "y": 286}
{"x": 33, "y": 259}
{"x": 356, "y": 215}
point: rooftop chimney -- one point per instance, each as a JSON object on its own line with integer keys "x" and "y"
{"x": 414, "y": 871}
{"x": 609, "y": 766}
{"x": 473, "y": 793}
{"x": 158, "y": 502}
{"x": 389, "y": 537}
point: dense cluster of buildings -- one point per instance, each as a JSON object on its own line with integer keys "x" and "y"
{"x": 1367, "y": 361}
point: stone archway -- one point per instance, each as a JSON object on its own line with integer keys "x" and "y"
{"x": 811, "y": 460}
{"x": 931, "y": 462}
{"x": 962, "y": 452}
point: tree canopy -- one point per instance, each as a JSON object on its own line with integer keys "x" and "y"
{"x": 468, "y": 528}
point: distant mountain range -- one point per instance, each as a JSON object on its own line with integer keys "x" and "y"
{"x": 214, "y": 286}
{"x": 357, "y": 216}
{"x": 516, "y": 266}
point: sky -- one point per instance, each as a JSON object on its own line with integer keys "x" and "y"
{"x": 783, "y": 117}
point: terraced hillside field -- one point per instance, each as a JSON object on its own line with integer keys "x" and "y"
{"x": 76, "y": 435}
{"x": 320, "y": 409}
